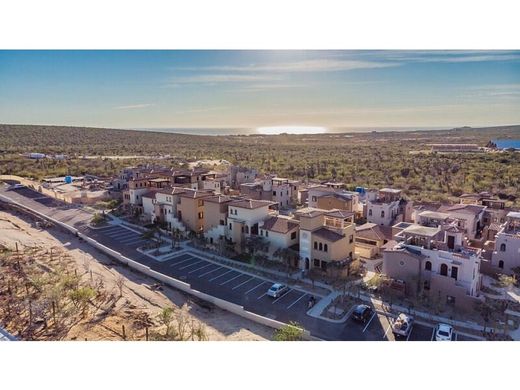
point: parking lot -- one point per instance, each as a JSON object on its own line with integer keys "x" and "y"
{"x": 379, "y": 328}
{"x": 234, "y": 286}
{"x": 123, "y": 235}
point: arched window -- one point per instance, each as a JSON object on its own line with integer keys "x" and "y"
{"x": 382, "y": 213}
{"x": 321, "y": 246}
{"x": 428, "y": 266}
{"x": 444, "y": 270}
{"x": 325, "y": 247}
{"x": 502, "y": 247}
{"x": 370, "y": 212}
{"x": 501, "y": 264}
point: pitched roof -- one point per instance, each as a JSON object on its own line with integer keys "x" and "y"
{"x": 194, "y": 194}
{"x": 279, "y": 224}
{"x": 336, "y": 213}
{"x": 251, "y": 203}
{"x": 309, "y": 212}
{"x": 374, "y": 231}
{"x": 328, "y": 234}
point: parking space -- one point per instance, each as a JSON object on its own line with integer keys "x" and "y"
{"x": 122, "y": 235}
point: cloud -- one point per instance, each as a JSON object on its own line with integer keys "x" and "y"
{"x": 455, "y": 56}
{"x": 312, "y": 65}
{"x": 134, "y": 106}
{"x": 201, "y": 110}
{"x": 219, "y": 78}
{"x": 506, "y": 91}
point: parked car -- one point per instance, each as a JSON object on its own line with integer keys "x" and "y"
{"x": 277, "y": 290}
{"x": 362, "y": 313}
{"x": 402, "y": 326}
{"x": 443, "y": 332}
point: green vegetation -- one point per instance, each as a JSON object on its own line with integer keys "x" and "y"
{"x": 98, "y": 219}
{"x": 398, "y": 159}
{"x": 290, "y": 332}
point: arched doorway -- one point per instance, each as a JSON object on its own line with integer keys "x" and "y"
{"x": 444, "y": 270}
{"x": 307, "y": 263}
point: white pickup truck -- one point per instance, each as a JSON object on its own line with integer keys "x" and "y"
{"x": 402, "y": 325}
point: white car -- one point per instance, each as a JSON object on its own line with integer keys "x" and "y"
{"x": 15, "y": 186}
{"x": 443, "y": 332}
{"x": 277, "y": 290}
{"x": 402, "y": 325}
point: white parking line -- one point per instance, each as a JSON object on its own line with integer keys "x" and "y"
{"x": 387, "y": 329}
{"x": 204, "y": 266}
{"x": 296, "y": 301}
{"x": 122, "y": 234}
{"x": 128, "y": 240}
{"x": 456, "y": 336}
{"x": 225, "y": 273}
{"x": 213, "y": 270}
{"x": 254, "y": 288}
{"x": 281, "y": 296}
{"x": 241, "y": 284}
{"x": 409, "y": 334}
{"x": 261, "y": 296}
{"x": 191, "y": 265}
{"x": 181, "y": 262}
{"x": 433, "y": 334}
{"x": 368, "y": 323}
{"x": 233, "y": 278}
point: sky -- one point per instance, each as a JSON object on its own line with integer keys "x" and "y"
{"x": 153, "y": 89}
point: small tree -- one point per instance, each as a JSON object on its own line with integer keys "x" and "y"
{"x": 165, "y": 317}
{"x": 120, "y": 283}
{"x": 98, "y": 219}
{"x": 290, "y": 332}
{"x": 81, "y": 298}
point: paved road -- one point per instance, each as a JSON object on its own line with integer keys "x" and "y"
{"x": 217, "y": 280}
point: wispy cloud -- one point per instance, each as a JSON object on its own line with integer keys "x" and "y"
{"x": 455, "y": 56}
{"x": 312, "y": 65}
{"x": 134, "y": 106}
{"x": 201, "y": 110}
{"x": 505, "y": 91}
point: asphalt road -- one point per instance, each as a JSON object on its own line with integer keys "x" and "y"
{"x": 220, "y": 281}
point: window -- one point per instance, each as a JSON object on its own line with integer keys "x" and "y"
{"x": 246, "y": 229}
{"x": 201, "y": 215}
{"x": 201, "y": 202}
{"x": 382, "y": 213}
{"x": 314, "y": 199}
{"x": 221, "y": 222}
{"x": 316, "y": 263}
{"x": 454, "y": 272}
{"x": 293, "y": 235}
{"x": 351, "y": 239}
{"x": 266, "y": 233}
{"x": 426, "y": 285}
{"x": 502, "y": 247}
{"x": 261, "y": 233}
{"x": 325, "y": 248}
{"x": 320, "y": 246}
{"x": 274, "y": 193}
{"x": 230, "y": 227}
{"x": 450, "y": 300}
{"x": 370, "y": 212}
{"x": 444, "y": 270}
{"x": 315, "y": 245}
{"x": 428, "y": 266}
{"x": 501, "y": 264}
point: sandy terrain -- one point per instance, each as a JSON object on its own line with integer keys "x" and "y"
{"x": 138, "y": 297}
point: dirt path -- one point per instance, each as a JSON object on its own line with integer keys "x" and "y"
{"x": 138, "y": 298}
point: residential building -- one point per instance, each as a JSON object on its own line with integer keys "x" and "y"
{"x": 388, "y": 207}
{"x": 326, "y": 238}
{"x": 281, "y": 232}
{"x": 215, "y": 217}
{"x": 470, "y": 218}
{"x": 244, "y": 218}
{"x": 506, "y": 255}
{"x": 331, "y": 197}
{"x": 370, "y": 239}
{"x": 423, "y": 261}
{"x": 190, "y": 210}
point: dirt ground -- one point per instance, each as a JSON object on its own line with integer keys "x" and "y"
{"x": 106, "y": 318}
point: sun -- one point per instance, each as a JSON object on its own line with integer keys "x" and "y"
{"x": 273, "y": 130}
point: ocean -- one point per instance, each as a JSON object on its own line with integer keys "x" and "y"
{"x": 507, "y": 143}
{"x": 254, "y": 131}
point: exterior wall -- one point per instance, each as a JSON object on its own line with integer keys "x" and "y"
{"x": 511, "y": 256}
{"x": 215, "y": 214}
{"x": 329, "y": 203}
{"x": 136, "y": 196}
{"x": 411, "y": 269}
{"x": 148, "y": 209}
{"x": 189, "y": 209}
{"x": 212, "y": 185}
{"x": 280, "y": 240}
{"x": 311, "y": 223}
{"x": 374, "y": 211}
{"x": 470, "y": 222}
